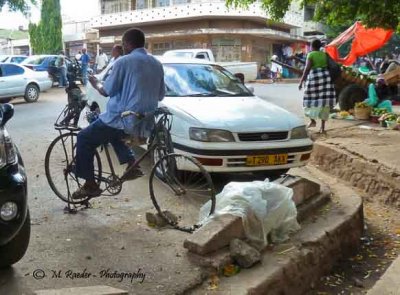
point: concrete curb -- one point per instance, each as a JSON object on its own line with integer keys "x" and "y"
{"x": 374, "y": 178}
{"x": 388, "y": 284}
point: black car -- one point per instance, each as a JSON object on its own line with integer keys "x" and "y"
{"x": 47, "y": 63}
{"x": 15, "y": 224}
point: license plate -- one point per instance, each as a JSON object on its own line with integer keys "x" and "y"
{"x": 266, "y": 160}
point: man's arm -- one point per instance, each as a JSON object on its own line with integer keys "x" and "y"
{"x": 97, "y": 85}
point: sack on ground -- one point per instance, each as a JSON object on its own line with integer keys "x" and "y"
{"x": 266, "y": 208}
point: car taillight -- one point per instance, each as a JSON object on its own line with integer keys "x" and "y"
{"x": 8, "y": 153}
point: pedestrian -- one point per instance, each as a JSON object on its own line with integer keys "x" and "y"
{"x": 62, "y": 70}
{"x": 136, "y": 83}
{"x": 116, "y": 52}
{"x": 78, "y": 56}
{"x": 276, "y": 69}
{"x": 85, "y": 59}
{"x": 319, "y": 92}
{"x": 101, "y": 61}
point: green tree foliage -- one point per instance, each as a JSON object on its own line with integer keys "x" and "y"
{"x": 372, "y": 13}
{"x": 17, "y": 5}
{"x": 46, "y": 36}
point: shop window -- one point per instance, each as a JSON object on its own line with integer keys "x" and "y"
{"x": 160, "y": 48}
{"x": 114, "y": 6}
{"x": 177, "y": 2}
{"x": 225, "y": 49}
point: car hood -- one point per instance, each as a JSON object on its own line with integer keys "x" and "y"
{"x": 236, "y": 114}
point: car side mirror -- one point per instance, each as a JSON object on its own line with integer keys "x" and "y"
{"x": 251, "y": 88}
{"x": 6, "y": 113}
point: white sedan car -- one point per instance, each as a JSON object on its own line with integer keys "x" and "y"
{"x": 17, "y": 80}
{"x": 219, "y": 121}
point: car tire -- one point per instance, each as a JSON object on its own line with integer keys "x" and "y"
{"x": 14, "y": 250}
{"x": 31, "y": 93}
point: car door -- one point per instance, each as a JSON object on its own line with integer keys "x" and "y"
{"x": 12, "y": 80}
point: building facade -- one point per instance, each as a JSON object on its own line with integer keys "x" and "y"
{"x": 232, "y": 34}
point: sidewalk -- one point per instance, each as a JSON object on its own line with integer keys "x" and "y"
{"x": 366, "y": 156}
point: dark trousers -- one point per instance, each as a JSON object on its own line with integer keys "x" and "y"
{"x": 92, "y": 137}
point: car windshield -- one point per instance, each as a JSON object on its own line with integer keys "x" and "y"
{"x": 34, "y": 60}
{"x": 201, "y": 80}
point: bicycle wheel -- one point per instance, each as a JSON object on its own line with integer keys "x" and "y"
{"x": 181, "y": 192}
{"x": 60, "y": 167}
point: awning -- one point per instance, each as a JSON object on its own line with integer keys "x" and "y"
{"x": 364, "y": 41}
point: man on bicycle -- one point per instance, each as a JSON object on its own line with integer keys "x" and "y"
{"x": 136, "y": 83}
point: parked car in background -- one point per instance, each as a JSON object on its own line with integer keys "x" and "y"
{"x": 247, "y": 69}
{"x": 221, "y": 123}
{"x": 17, "y": 80}
{"x": 13, "y": 58}
{"x": 47, "y": 63}
{"x": 15, "y": 224}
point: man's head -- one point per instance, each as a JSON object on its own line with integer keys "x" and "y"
{"x": 117, "y": 51}
{"x": 84, "y": 50}
{"x": 100, "y": 51}
{"x": 132, "y": 39}
{"x": 62, "y": 52}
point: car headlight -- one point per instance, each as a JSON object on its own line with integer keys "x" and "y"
{"x": 8, "y": 211}
{"x": 210, "y": 135}
{"x": 299, "y": 132}
{"x": 8, "y": 154}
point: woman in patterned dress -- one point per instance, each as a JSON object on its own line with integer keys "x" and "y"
{"x": 319, "y": 93}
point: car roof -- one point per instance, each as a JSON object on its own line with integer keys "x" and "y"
{"x": 181, "y": 60}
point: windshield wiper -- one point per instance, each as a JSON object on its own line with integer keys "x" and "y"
{"x": 201, "y": 94}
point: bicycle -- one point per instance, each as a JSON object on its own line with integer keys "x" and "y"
{"x": 194, "y": 182}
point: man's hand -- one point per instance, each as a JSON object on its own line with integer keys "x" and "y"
{"x": 301, "y": 85}
{"x": 97, "y": 85}
{"x": 93, "y": 81}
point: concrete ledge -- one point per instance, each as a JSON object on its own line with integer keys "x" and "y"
{"x": 215, "y": 235}
{"x": 294, "y": 267}
{"x": 92, "y": 290}
{"x": 219, "y": 232}
{"x": 375, "y": 179}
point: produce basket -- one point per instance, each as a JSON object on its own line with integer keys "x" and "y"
{"x": 391, "y": 124}
{"x": 362, "y": 111}
{"x": 374, "y": 119}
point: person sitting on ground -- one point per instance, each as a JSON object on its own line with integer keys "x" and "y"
{"x": 319, "y": 92}
{"x": 136, "y": 84}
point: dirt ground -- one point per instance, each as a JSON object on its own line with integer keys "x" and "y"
{"x": 380, "y": 243}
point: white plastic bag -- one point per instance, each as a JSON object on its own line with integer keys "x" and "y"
{"x": 265, "y": 208}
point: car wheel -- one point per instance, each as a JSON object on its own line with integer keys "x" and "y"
{"x": 31, "y": 93}
{"x": 270, "y": 174}
{"x": 14, "y": 250}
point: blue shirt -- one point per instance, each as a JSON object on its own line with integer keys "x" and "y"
{"x": 85, "y": 58}
{"x": 136, "y": 83}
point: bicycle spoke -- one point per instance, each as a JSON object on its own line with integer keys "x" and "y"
{"x": 194, "y": 188}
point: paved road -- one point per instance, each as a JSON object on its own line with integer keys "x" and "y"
{"x": 113, "y": 236}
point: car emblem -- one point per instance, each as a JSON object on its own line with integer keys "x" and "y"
{"x": 264, "y": 136}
